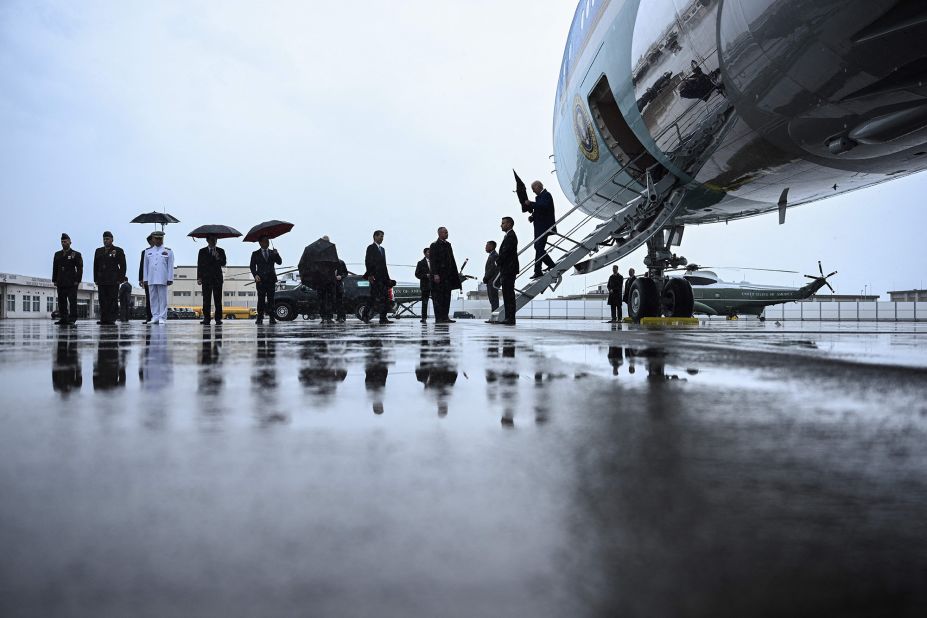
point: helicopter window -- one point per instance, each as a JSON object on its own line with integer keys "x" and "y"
{"x": 696, "y": 280}
{"x": 621, "y": 140}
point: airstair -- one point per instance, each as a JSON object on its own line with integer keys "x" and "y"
{"x": 634, "y": 223}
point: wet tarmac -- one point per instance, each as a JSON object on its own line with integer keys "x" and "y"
{"x": 552, "y": 469}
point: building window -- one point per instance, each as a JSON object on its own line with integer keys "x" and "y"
{"x": 27, "y": 302}
{"x": 11, "y": 302}
{"x": 36, "y": 303}
{"x": 49, "y": 303}
{"x": 181, "y": 293}
{"x": 228, "y": 293}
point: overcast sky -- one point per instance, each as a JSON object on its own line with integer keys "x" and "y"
{"x": 341, "y": 118}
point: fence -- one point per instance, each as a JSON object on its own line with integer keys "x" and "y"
{"x": 808, "y": 311}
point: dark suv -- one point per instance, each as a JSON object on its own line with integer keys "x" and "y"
{"x": 304, "y": 300}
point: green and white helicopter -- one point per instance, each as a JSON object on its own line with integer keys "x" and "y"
{"x": 713, "y": 296}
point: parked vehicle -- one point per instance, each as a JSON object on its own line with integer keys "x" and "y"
{"x": 304, "y": 300}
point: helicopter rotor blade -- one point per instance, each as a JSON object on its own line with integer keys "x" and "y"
{"x": 827, "y": 283}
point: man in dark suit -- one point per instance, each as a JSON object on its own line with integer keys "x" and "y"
{"x": 542, "y": 214}
{"x": 445, "y": 276}
{"x": 626, "y": 297}
{"x": 340, "y": 273}
{"x": 265, "y": 278}
{"x": 378, "y": 276}
{"x": 209, "y": 265}
{"x": 423, "y": 274}
{"x": 508, "y": 268}
{"x": 141, "y": 279}
{"x": 490, "y": 273}
{"x": 615, "y": 294}
{"x": 67, "y": 271}
{"x": 109, "y": 267}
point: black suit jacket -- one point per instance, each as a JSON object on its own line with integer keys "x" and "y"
{"x": 109, "y": 265}
{"x": 141, "y": 265}
{"x": 627, "y": 288}
{"x": 209, "y": 268}
{"x": 542, "y": 212}
{"x": 67, "y": 268}
{"x": 444, "y": 265}
{"x": 423, "y": 274}
{"x": 614, "y": 285}
{"x": 265, "y": 269}
{"x": 492, "y": 267}
{"x": 508, "y": 255}
{"x": 375, "y": 261}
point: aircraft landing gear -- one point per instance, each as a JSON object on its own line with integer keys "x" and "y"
{"x": 677, "y": 299}
{"x": 658, "y": 294}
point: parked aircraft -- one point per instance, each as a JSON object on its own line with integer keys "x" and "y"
{"x": 769, "y": 104}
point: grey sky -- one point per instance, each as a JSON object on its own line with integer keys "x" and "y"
{"x": 342, "y": 118}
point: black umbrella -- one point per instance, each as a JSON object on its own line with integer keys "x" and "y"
{"x": 219, "y": 231}
{"x": 269, "y": 229}
{"x": 321, "y": 251}
{"x": 521, "y": 191}
{"x": 318, "y": 261}
{"x": 155, "y": 217}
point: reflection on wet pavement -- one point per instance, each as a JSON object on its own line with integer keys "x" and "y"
{"x": 459, "y": 471}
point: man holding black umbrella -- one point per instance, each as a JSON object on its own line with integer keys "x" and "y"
{"x": 209, "y": 264}
{"x": 265, "y": 278}
{"x": 109, "y": 267}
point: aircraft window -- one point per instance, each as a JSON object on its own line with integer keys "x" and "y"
{"x": 618, "y": 136}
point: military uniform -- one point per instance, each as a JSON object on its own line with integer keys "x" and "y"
{"x": 67, "y": 271}
{"x": 158, "y": 274}
{"x": 109, "y": 267}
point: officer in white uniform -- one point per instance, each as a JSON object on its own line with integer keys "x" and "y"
{"x": 158, "y": 273}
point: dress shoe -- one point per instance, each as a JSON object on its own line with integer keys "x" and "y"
{"x": 273, "y": 321}
{"x": 205, "y": 322}
{"x": 259, "y": 322}
{"x": 423, "y": 321}
{"x": 59, "y": 322}
{"x": 385, "y": 321}
{"x": 536, "y": 276}
{"x": 450, "y": 321}
{"x": 508, "y": 323}
{"x": 218, "y": 322}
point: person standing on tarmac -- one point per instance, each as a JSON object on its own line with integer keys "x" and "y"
{"x": 340, "y": 273}
{"x": 125, "y": 299}
{"x": 490, "y": 273}
{"x": 626, "y": 297}
{"x": 378, "y": 276}
{"x": 615, "y": 294}
{"x": 445, "y": 276}
{"x": 423, "y": 274}
{"x": 209, "y": 265}
{"x": 265, "y": 278}
{"x": 141, "y": 277}
{"x": 508, "y": 268}
{"x": 158, "y": 275}
{"x": 67, "y": 271}
{"x": 109, "y": 267}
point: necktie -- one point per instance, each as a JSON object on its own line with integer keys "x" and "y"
{"x": 382, "y": 251}
{"x": 265, "y": 255}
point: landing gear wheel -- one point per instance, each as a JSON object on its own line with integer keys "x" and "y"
{"x": 677, "y": 300}
{"x": 644, "y": 300}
